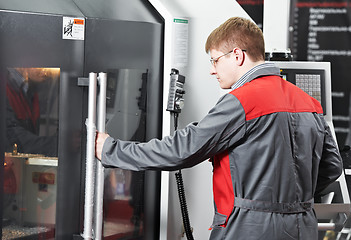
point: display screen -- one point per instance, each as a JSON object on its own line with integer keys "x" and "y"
{"x": 311, "y": 81}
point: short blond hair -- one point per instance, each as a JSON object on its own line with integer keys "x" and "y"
{"x": 238, "y": 32}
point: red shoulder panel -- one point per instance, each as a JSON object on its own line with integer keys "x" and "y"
{"x": 272, "y": 94}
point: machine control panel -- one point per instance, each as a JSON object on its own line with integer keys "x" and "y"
{"x": 176, "y": 92}
{"x": 311, "y": 81}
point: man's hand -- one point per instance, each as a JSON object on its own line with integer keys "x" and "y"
{"x": 99, "y": 143}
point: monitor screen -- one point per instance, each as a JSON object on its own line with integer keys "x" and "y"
{"x": 312, "y": 81}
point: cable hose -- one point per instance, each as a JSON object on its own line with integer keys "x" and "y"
{"x": 183, "y": 206}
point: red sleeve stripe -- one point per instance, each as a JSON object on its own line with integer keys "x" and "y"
{"x": 223, "y": 192}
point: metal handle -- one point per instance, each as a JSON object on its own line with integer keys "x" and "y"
{"x": 337, "y": 225}
{"x": 326, "y": 226}
{"x": 90, "y": 158}
{"x": 99, "y": 193}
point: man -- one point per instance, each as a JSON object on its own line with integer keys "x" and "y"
{"x": 23, "y": 111}
{"x": 270, "y": 146}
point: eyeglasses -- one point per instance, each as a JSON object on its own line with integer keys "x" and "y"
{"x": 214, "y": 61}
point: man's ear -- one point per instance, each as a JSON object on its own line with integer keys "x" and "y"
{"x": 239, "y": 56}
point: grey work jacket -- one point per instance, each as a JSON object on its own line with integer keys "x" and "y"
{"x": 271, "y": 149}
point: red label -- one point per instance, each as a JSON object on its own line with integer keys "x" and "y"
{"x": 79, "y": 21}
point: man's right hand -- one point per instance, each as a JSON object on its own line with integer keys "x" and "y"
{"x": 99, "y": 143}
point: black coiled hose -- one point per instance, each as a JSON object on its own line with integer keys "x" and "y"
{"x": 183, "y": 206}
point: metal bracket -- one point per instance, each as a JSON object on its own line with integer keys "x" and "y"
{"x": 83, "y": 82}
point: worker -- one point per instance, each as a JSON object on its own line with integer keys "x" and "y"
{"x": 270, "y": 147}
{"x": 23, "y": 105}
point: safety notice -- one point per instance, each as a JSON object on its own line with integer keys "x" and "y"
{"x": 73, "y": 28}
{"x": 180, "y": 43}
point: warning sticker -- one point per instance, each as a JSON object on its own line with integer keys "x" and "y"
{"x": 73, "y": 28}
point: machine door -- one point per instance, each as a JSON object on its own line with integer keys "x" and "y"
{"x": 124, "y": 190}
{"x": 129, "y": 53}
{"x": 126, "y": 200}
{"x": 43, "y": 131}
{"x": 41, "y": 128}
